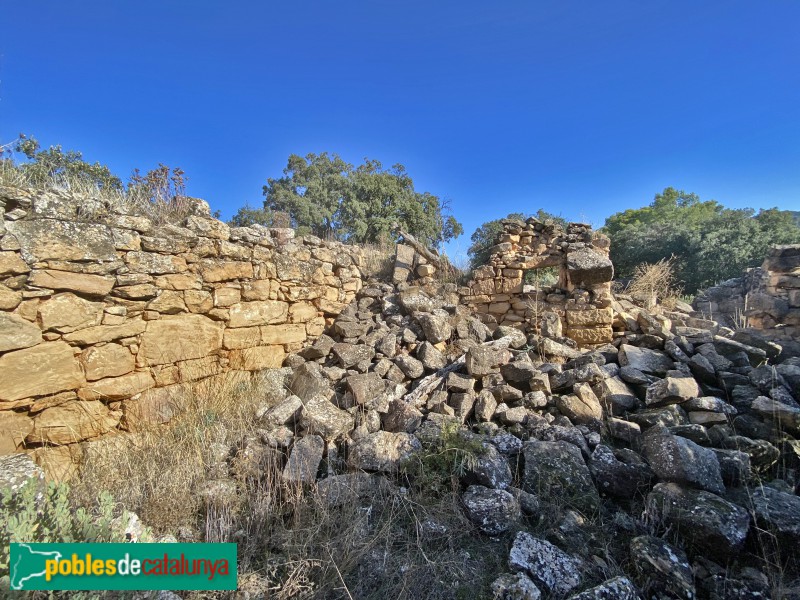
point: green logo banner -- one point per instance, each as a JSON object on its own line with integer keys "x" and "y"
{"x": 123, "y": 567}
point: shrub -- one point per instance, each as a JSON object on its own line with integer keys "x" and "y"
{"x": 655, "y": 284}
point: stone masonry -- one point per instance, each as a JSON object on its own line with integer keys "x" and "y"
{"x": 102, "y": 314}
{"x": 579, "y": 306}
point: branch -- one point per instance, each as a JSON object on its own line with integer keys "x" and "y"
{"x": 431, "y": 382}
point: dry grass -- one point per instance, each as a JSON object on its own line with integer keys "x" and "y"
{"x": 101, "y": 201}
{"x": 390, "y": 542}
{"x": 378, "y": 261}
{"x": 654, "y": 284}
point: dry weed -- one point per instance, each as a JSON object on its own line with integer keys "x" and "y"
{"x": 654, "y": 284}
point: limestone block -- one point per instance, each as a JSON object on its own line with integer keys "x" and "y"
{"x": 154, "y": 264}
{"x": 315, "y": 327}
{"x": 210, "y": 228}
{"x": 44, "y": 369}
{"x": 586, "y": 267}
{"x": 12, "y": 264}
{"x": 242, "y": 337}
{"x": 198, "y": 368}
{"x": 139, "y": 291}
{"x": 14, "y": 428}
{"x": 125, "y": 239}
{"x": 17, "y": 333}
{"x": 178, "y": 282}
{"x": 258, "y": 289}
{"x": 154, "y": 406}
{"x": 260, "y": 312}
{"x": 9, "y": 299}
{"x": 255, "y": 359}
{"x": 586, "y": 318}
{"x": 302, "y": 312}
{"x": 117, "y": 388}
{"x": 82, "y": 283}
{"x": 50, "y": 239}
{"x": 227, "y": 296}
{"x": 110, "y": 360}
{"x": 283, "y": 334}
{"x": 168, "y": 303}
{"x": 60, "y": 463}
{"x": 403, "y": 263}
{"x": 72, "y": 422}
{"x": 587, "y": 336}
{"x": 177, "y": 338}
{"x": 105, "y": 333}
{"x": 65, "y": 313}
{"x": 198, "y": 301}
{"x": 216, "y": 271}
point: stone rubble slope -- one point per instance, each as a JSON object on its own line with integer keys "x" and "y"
{"x": 678, "y": 419}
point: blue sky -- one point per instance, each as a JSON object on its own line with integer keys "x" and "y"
{"x": 582, "y": 108}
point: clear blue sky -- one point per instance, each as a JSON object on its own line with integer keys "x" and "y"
{"x": 582, "y": 108}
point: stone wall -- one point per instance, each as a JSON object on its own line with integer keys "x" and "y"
{"x": 578, "y": 306}
{"x": 766, "y": 299}
{"x": 102, "y": 313}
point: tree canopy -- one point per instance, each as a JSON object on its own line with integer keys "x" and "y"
{"x": 484, "y": 237}
{"x": 330, "y": 198}
{"x": 710, "y": 243}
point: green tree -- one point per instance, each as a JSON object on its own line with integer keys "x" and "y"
{"x": 330, "y": 198}
{"x": 486, "y": 235}
{"x": 311, "y": 191}
{"x": 710, "y": 243}
{"x": 46, "y": 167}
{"x": 247, "y": 215}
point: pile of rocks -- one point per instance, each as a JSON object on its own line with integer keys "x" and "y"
{"x": 675, "y": 415}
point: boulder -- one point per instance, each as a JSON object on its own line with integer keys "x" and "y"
{"x": 679, "y": 460}
{"x": 484, "y": 360}
{"x": 46, "y": 368}
{"x": 304, "y": 460}
{"x": 779, "y": 513}
{"x": 435, "y": 326}
{"x": 382, "y": 451}
{"x": 617, "y": 479}
{"x": 517, "y": 586}
{"x": 587, "y": 268}
{"x": 645, "y": 360}
{"x": 662, "y": 570}
{"x": 17, "y": 333}
{"x": 618, "y": 588}
{"x": 550, "y": 567}
{"x": 558, "y": 469}
{"x": 488, "y": 468}
{"x": 492, "y": 511}
{"x": 671, "y": 390}
{"x": 709, "y": 524}
{"x": 322, "y": 417}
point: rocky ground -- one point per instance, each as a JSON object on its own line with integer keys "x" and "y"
{"x": 675, "y": 445}
{"x": 664, "y": 465}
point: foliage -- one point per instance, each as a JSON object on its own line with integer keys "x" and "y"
{"x": 45, "y": 166}
{"x": 486, "y": 235}
{"x": 328, "y": 197}
{"x": 443, "y": 461}
{"x": 162, "y": 184}
{"x": 710, "y": 243}
{"x": 37, "y": 515}
{"x": 655, "y": 283}
{"x": 247, "y": 216}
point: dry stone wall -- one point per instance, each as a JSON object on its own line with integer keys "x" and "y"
{"x": 766, "y": 299}
{"x": 103, "y": 313}
{"x": 577, "y": 307}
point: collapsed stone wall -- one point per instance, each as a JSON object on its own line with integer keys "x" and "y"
{"x": 103, "y": 313}
{"x": 766, "y": 299}
{"x": 579, "y": 305}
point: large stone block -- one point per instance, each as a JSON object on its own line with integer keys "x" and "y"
{"x": 12, "y": 264}
{"x": 105, "y": 333}
{"x": 65, "y": 313}
{"x": 49, "y": 239}
{"x": 591, "y": 336}
{"x": 591, "y": 317}
{"x": 72, "y": 422}
{"x": 81, "y": 283}
{"x": 586, "y": 268}
{"x": 255, "y": 359}
{"x": 154, "y": 264}
{"x": 263, "y": 312}
{"x": 14, "y": 428}
{"x": 111, "y": 360}
{"x": 283, "y": 334}
{"x": 117, "y": 388}
{"x": 43, "y": 369}
{"x": 243, "y": 337}
{"x": 183, "y": 337}
{"x": 214, "y": 271}
{"x": 17, "y": 333}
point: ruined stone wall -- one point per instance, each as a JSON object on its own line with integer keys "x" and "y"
{"x": 103, "y": 313}
{"x": 766, "y": 298}
{"x": 578, "y": 306}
